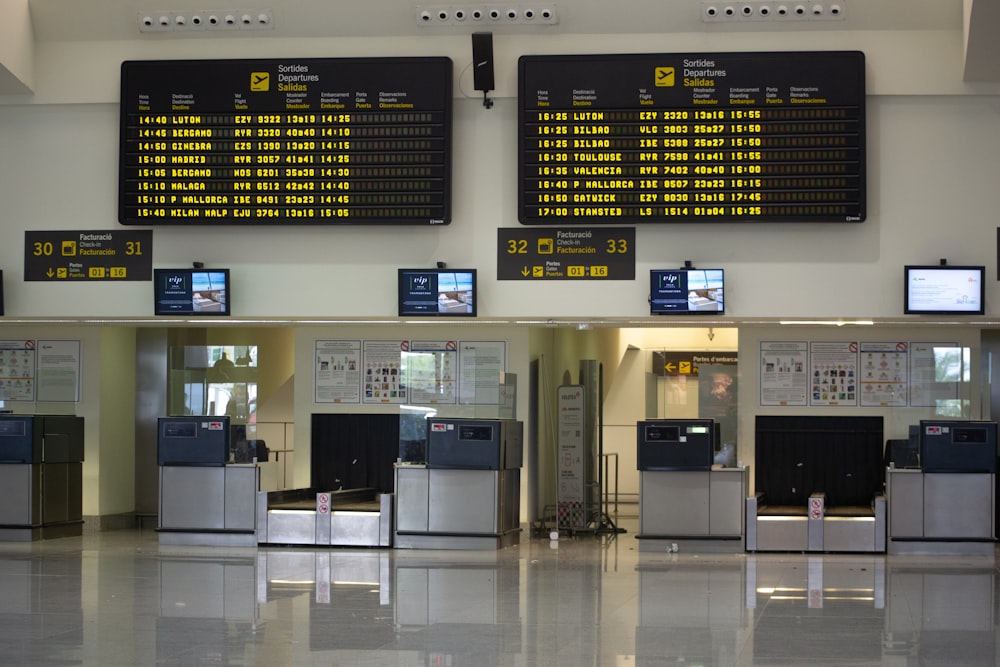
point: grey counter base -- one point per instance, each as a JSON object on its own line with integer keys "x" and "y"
{"x": 207, "y": 539}
{"x": 941, "y": 513}
{"x": 49, "y": 532}
{"x": 668, "y": 544}
{"x": 468, "y": 542}
{"x": 940, "y": 548}
{"x": 456, "y": 509}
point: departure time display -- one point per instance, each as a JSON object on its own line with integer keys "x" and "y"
{"x": 689, "y": 138}
{"x": 305, "y": 141}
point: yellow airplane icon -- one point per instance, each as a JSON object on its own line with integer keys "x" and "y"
{"x": 260, "y": 81}
{"x": 664, "y": 77}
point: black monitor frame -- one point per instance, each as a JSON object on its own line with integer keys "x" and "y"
{"x": 435, "y": 303}
{"x": 163, "y": 305}
{"x": 684, "y": 307}
{"x": 912, "y": 306}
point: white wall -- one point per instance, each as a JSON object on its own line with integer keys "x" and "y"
{"x": 933, "y": 148}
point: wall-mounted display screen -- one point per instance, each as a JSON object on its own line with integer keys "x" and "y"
{"x": 686, "y": 291}
{"x": 444, "y": 292}
{"x": 944, "y": 290}
{"x": 279, "y": 142}
{"x": 692, "y": 137}
{"x": 191, "y": 292}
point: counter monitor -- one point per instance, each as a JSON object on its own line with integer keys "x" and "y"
{"x": 687, "y": 292}
{"x": 302, "y": 141}
{"x": 191, "y": 292}
{"x": 944, "y": 290}
{"x": 691, "y": 138}
{"x": 437, "y": 292}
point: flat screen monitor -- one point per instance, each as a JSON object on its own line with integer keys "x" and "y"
{"x": 686, "y": 291}
{"x": 944, "y": 290}
{"x": 191, "y": 292}
{"x": 437, "y": 292}
{"x": 1, "y": 293}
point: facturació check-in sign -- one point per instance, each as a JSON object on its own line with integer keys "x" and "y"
{"x": 100, "y": 255}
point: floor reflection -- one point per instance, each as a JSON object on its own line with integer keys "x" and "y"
{"x": 595, "y": 600}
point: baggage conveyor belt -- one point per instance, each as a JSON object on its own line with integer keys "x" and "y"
{"x": 351, "y": 517}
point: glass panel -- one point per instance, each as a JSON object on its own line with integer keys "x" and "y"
{"x": 214, "y": 380}
{"x": 702, "y": 391}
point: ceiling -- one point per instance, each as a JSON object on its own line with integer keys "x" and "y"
{"x": 56, "y": 21}
{"x": 87, "y": 20}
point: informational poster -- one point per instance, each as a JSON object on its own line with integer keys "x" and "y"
{"x": 936, "y": 371}
{"x": 337, "y": 371}
{"x": 383, "y": 379}
{"x": 783, "y": 377}
{"x": 571, "y": 501}
{"x": 480, "y": 364}
{"x": 431, "y": 372}
{"x": 834, "y": 373}
{"x": 883, "y": 375}
{"x": 17, "y": 370}
{"x": 58, "y": 371}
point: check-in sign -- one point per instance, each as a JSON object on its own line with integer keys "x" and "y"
{"x": 88, "y": 255}
{"x": 566, "y": 253}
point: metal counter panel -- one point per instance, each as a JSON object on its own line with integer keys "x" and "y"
{"x": 463, "y": 501}
{"x": 411, "y": 499}
{"x": 20, "y": 484}
{"x": 674, "y": 503}
{"x": 906, "y": 503}
{"x": 727, "y": 489}
{"x": 241, "y": 494}
{"x": 958, "y": 505}
{"x": 192, "y": 498}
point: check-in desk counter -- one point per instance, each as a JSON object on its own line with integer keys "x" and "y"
{"x": 467, "y": 494}
{"x": 948, "y": 506}
{"x": 204, "y": 501}
{"x": 41, "y": 474}
{"x": 683, "y": 498}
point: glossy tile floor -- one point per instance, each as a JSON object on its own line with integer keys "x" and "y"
{"x": 119, "y": 598}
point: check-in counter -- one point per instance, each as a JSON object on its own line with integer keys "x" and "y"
{"x": 204, "y": 500}
{"x": 683, "y": 497}
{"x": 948, "y": 505}
{"x": 41, "y": 474}
{"x": 467, "y": 494}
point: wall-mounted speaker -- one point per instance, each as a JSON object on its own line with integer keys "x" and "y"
{"x": 482, "y": 60}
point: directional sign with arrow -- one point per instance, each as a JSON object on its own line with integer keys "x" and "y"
{"x": 88, "y": 255}
{"x": 566, "y": 253}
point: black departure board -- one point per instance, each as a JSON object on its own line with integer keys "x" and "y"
{"x": 691, "y": 138}
{"x": 279, "y": 142}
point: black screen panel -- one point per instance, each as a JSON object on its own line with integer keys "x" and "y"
{"x": 279, "y": 142}
{"x": 692, "y": 138}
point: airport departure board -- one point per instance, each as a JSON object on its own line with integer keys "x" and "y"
{"x": 692, "y": 138}
{"x": 280, "y": 142}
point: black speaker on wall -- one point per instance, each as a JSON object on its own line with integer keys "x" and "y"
{"x": 482, "y": 60}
